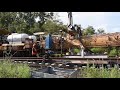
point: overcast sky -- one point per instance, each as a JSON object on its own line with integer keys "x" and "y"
{"x": 109, "y": 21}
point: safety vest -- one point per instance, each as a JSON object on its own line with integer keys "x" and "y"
{"x": 34, "y": 50}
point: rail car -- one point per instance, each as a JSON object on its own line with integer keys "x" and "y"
{"x": 21, "y": 46}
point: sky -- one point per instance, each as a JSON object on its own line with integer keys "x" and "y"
{"x": 109, "y": 21}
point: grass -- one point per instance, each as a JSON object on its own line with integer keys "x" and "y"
{"x": 9, "y": 69}
{"x": 92, "y": 72}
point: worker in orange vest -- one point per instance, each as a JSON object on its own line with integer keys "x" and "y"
{"x": 34, "y": 50}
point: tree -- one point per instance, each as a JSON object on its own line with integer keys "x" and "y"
{"x": 89, "y": 31}
{"x": 24, "y": 21}
{"x": 100, "y": 31}
{"x": 53, "y": 26}
{"x": 6, "y": 19}
{"x": 29, "y": 17}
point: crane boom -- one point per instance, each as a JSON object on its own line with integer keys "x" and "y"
{"x": 75, "y": 29}
{"x": 70, "y": 19}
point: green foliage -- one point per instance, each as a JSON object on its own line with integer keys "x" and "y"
{"x": 119, "y": 53}
{"x": 30, "y": 22}
{"x": 113, "y": 52}
{"x": 89, "y": 31}
{"x": 9, "y": 69}
{"x": 92, "y": 72}
{"x": 76, "y": 50}
{"x": 98, "y": 50}
{"x": 24, "y": 21}
{"x": 53, "y": 26}
{"x": 100, "y": 31}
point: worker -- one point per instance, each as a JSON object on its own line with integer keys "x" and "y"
{"x": 27, "y": 47}
{"x": 47, "y": 54}
{"x": 34, "y": 50}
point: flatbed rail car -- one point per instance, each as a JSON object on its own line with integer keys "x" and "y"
{"x": 12, "y": 49}
{"x": 18, "y": 49}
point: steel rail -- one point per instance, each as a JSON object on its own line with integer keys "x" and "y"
{"x": 68, "y": 60}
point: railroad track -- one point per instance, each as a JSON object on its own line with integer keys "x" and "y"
{"x": 64, "y": 62}
{"x": 69, "y": 60}
{"x": 56, "y": 58}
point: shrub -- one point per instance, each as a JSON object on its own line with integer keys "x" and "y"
{"x": 98, "y": 50}
{"x": 76, "y": 50}
{"x": 113, "y": 52}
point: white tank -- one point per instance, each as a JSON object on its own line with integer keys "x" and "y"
{"x": 15, "y": 37}
{"x": 33, "y": 37}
